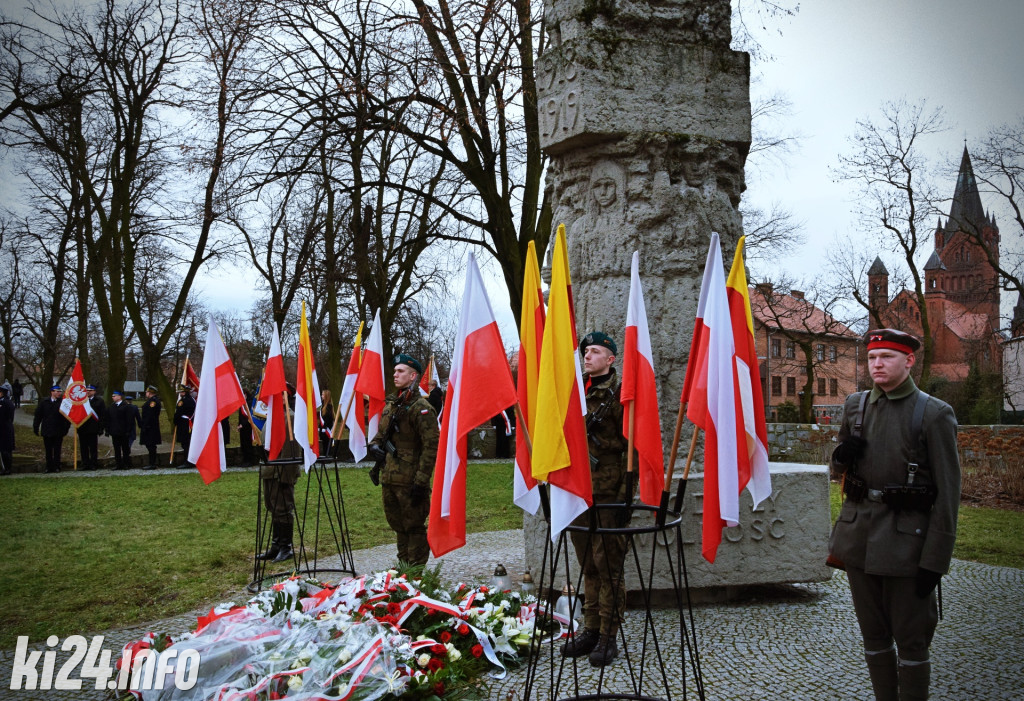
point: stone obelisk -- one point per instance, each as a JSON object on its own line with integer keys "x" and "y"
{"x": 645, "y": 115}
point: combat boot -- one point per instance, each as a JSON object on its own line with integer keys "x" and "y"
{"x": 605, "y": 652}
{"x": 914, "y": 680}
{"x": 882, "y": 670}
{"x": 275, "y": 545}
{"x": 581, "y": 643}
{"x": 286, "y": 552}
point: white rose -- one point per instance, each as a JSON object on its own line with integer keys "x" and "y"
{"x": 345, "y": 656}
{"x": 423, "y": 660}
{"x": 454, "y": 655}
{"x": 295, "y": 682}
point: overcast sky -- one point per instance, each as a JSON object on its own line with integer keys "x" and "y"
{"x": 840, "y": 61}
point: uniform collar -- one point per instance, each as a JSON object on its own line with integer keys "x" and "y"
{"x": 905, "y": 389}
{"x": 602, "y": 380}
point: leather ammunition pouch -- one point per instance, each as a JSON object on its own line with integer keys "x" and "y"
{"x": 854, "y": 487}
{"x": 909, "y": 497}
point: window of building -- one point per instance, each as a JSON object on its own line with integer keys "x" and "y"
{"x": 776, "y": 385}
{"x": 791, "y": 386}
{"x": 821, "y": 386}
{"x": 790, "y": 349}
{"x": 819, "y": 352}
{"x": 833, "y": 387}
{"x": 832, "y": 355}
{"x": 776, "y": 347}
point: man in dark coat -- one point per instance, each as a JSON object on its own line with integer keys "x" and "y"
{"x": 16, "y": 392}
{"x": 88, "y": 432}
{"x": 245, "y": 432}
{"x": 183, "y": 412}
{"x": 121, "y": 418}
{"x": 895, "y": 532}
{"x": 149, "y": 426}
{"x": 6, "y": 432}
{"x": 436, "y": 397}
{"x": 52, "y": 426}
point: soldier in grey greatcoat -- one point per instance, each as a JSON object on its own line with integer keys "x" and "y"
{"x": 407, "y": 443}
{"x": 895, "y": 532}
{"x": 602, "y": 556}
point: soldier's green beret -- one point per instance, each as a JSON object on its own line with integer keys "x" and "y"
{"x": 403, "y": 359}
{"x": 598, "y": 338}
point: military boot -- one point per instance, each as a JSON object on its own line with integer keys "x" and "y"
{"x": 286, "y": 552}
{"x": 605, "y": 652}
{"x": 914, "y": 680}
{"x": 275, "y": 545}
{"x": 581, "y": 643}
{"x": 882, "y": 670}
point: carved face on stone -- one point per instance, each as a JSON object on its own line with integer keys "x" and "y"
{"x": 606, "y": 180}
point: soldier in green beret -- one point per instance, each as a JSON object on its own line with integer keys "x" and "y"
{"x": 405, "y": 448}
{"x": 601, "y": 557}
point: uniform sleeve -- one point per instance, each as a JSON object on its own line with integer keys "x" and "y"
{"x": 426, "y": 425}
{"x": 944, "y": 462}
{"x": 844, "y": 426}
{"x": 385, "y": 419}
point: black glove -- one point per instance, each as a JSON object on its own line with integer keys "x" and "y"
{"x": 849, "y": 451}
{"x": 376, "y": 452}
{"x": 925, "y": 582}
{"x": 375, "y": 476}
{"x": 419, "y": 492}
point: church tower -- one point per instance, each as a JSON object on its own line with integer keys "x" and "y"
{"x": 878, "y": 286}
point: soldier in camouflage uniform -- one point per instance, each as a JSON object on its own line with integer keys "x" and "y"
{"x": 279, "y": 498}
{"x": 601, "y": 557}
{"x": 406, "y": 444}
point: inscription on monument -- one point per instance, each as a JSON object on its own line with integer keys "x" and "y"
{"x": 559, "y": 91}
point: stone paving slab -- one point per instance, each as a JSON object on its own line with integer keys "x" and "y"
{"x": 792, "y": 643}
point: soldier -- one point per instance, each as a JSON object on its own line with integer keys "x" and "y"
{"x": 602, "y": 557}
{"x": 89, "y": 431}
{"x": 7, "y": 410}
{"x": 406, "y": 446}
{"x": 183, "y": 412}
{"x": 121, "y": 418}
{"x": 52, "y": 426}
{"x": 895, "y": 531}
{"x": 149, "y": 426}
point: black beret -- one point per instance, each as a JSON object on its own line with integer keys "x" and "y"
{"x": 598, "y": 338}
{"x": 893, "y": 339}
{"x": 403, "y": 359}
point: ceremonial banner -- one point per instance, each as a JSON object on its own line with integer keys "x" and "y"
{"x": 479, "y": 386}
{"x": 714, "y": 407}
{"x": 370, "y": 380}
{"x": 75, "y": 405}
{"x": 307, "y": 398}
{"x": 560, "y": 453}
{"x": 217, "y": 400}
{"x": 189, "y": 376}
{"x": 640, "y": 389}
{"x": 531, "y": 331}
{"x": 753, "y": 459}
{"x": 429, "y": 373}
{"x": 272, "y": 394}
{"x": 354, "y": 402}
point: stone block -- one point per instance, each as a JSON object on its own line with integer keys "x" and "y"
{"x": 783, "y": 541}
{"x": 597, "y": 86}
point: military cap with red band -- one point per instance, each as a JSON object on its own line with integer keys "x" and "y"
{"x": 893, "y": 340}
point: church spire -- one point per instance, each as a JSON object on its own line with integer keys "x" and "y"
{"x": 966, "y": 213}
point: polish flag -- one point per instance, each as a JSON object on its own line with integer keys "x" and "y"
{"x": 429, "y": 374}
{"x": 217, "y": 400}
{"x": 531, "y": 331}
{"x": 189, "y": 376}
{"x": 354, "y": 402}
{"x": 714, "y": 407}
{"x": 479, "y": 375}
{"x": 272, "y": 394}
{"x": 307, "y": 398}
{"x": 370, "y": 380}
{"x": 75, "y": 405}
{"x": 640, "y": 390}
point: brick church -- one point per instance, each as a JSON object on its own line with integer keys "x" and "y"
{"x": 961, "y": 288}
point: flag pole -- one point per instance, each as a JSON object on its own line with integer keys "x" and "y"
{"x": 680, "y": 417}
{"x": 521, "y": 423}
{"x": 630, "y": 475}
{"x": 74, "y": 455}
{"x": 288, "y": 416}
{"x": 343, "y": 421}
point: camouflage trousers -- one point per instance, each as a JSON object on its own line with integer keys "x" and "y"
{"x": 601, "y": 557}
{"x": 408, "y": 519}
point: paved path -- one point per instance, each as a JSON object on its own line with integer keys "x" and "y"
{"x": 788, "y": 643}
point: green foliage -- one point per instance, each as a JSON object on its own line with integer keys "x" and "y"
{"x": 976, "y": 401}
{"x": 87, "y": 554}
{"x": 787, "y": 413}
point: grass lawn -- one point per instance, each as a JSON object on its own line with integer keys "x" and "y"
{"x": 85, "y": 555}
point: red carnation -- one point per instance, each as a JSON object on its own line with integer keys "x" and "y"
{"x": 446, "y": 637}
{"x": 483, "y": 590}
{"x": 477, "y": 650}
{"x": 435, "y": 665}
{"x": 438, "y": 649}
{"x": 463, "y": 629}
{"x": 393, "y": 607}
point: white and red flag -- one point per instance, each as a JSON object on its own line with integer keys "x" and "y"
{"x": 189, "y": 376}
{"x": 370, "y": 380}
{"x": 525, "y": 493}
{"x": 354, "y": 402}
{"x": 217, "y": 400}
{"x": 75, "y": 405}
{"x": 430, "y": 373}
{"x": 479, "y": 387}
{"x": 713, "y": 404}
{"x": 272, "y": 394}
{"x": 640, "y": 390}
{"x": 307, "y": 398}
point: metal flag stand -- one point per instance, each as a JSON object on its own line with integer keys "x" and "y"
{"x": 325, "y": 520}
{"x": 658, "y": 656}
